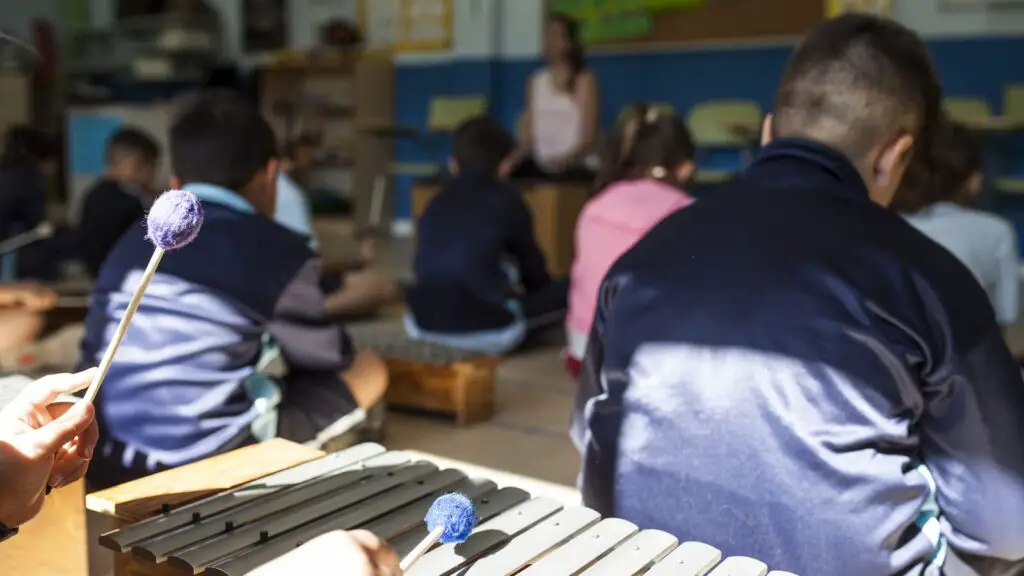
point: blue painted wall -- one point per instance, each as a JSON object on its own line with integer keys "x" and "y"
{"x": 968, "y": 66}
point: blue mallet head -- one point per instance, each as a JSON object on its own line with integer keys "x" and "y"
{"x": 174, "y": 220}
{"x": 455, "y": 513}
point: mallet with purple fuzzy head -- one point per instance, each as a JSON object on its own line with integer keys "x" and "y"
{"x": 172, "y": 222}
{"x": 450, "y": 520}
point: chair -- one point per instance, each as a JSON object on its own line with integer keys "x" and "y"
{"x": 719, "y": 124}
{"x": 961, "y": 109}
{"x": 1013, "y": 101}
{"x": 444, "y": 114}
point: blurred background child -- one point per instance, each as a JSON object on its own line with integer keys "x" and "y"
{"x": 649, "y": 161}
{"x": 482, "y": 282}
{"x": 939, "y": 204}
{"x": 120, "y": 197}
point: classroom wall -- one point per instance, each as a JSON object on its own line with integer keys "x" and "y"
{"x": 304, "y": 18}
{"x": 971, "y": 50}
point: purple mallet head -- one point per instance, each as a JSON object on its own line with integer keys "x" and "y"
{"x": 174, "y": 220}
{"x": 454, "y": 512}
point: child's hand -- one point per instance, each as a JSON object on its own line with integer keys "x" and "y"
{"x": 28, "y": 295}
{"x": 357, "y": 553}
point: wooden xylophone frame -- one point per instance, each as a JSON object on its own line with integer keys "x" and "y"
{"x": 431, "y": 377}
{"x": 388, "y": 493}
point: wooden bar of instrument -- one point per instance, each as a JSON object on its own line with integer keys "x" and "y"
{"x": 388, "y": 493}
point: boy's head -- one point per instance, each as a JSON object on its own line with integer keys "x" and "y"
{"x": 132, "y": 156}
{"x": 865, "y": 86}
{"x": 218, "y": 137}
{"x": 479, "y": 146}
{"x": 953, "y": 175}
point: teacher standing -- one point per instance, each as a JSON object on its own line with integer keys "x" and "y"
{"x": 560, "y": 122}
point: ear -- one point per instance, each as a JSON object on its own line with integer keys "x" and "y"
{"x": 270, "y": 172}
{"x": 975, "y": 184}
{"x": 176, "y": 183}
{"x": 453, "y": 166}
{"x": 685, "y": 171}
{"x": 766, "y": 129}
{"x": 893, "y": 161}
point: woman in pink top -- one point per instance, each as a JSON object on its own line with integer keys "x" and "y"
{"x": 650, "y": 160}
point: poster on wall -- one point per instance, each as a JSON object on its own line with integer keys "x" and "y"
{"x": 408, "y": 25}
{"x": 264, "y": 25}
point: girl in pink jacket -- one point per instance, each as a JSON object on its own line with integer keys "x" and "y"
{"x": 650, "y": 160}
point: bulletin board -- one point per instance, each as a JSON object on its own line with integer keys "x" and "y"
{"x": 407, "y": 25}
{"x": 687, "y": 21}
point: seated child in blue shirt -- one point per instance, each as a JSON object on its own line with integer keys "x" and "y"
{"x": 187, "y": 380}
{"x": 475, "y": 248}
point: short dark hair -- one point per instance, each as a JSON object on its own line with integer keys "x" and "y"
{"x": 480, "y": 144}
{"x": 853, "y": 81}
{"x": 647, "y": 139}
{"x": 133, "y": 142}
{"x": 955, "y": 157}
{"x": 219, "y": 137}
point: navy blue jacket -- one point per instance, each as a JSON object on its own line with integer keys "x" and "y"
{"x": 174, "y": 392}
{"x": 473, "y": 226}
{"x": 769, "y": 368}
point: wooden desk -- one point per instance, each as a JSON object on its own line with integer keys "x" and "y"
{"x": 554, "y": 206}
{"x": 145, "y": 497}
{"x": 54, "y": 543}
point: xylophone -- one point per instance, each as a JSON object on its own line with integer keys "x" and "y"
{"x": 388, "y": 493}
{"x": 431, "y": 377}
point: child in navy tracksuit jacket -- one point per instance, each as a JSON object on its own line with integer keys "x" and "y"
{"x": 789, "y": 371}
{"x": 481, "y": 281}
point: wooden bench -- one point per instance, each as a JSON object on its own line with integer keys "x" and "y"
{"x": 147, "y": 497}
{"x": 555, "y": 206}
{"x": 431, "y": 377}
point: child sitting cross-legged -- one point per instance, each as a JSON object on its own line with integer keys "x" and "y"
{"x": 481, "y": 280}
{"x": 189, "y": 380}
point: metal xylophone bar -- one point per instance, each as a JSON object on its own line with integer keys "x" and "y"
{"x": 392, "y": 520}
{"x": 198, "y": 557}
{"x": 122, "y": 540}
{"x": 157, "y": 548}
{"x": 517, "y": 534}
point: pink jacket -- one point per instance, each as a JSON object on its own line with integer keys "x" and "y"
{"x": 608, "y": 226}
